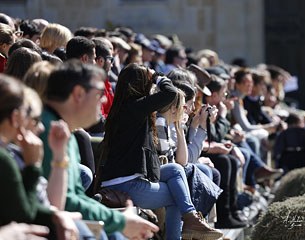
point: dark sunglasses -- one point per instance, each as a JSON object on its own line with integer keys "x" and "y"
{"x": 111, "y": 59}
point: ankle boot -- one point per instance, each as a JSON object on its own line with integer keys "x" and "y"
{"x": 196, "y": 227}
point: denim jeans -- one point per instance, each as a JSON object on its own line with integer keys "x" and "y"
{"x": 86, "y": 234}
{"x": 85, "y": 175}
{"x": 255, "y": 162}
{"x": 172, "y": 192}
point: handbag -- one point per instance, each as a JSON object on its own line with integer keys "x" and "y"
{"x": 112, "y": 198}
{"x": 107, "y": 196}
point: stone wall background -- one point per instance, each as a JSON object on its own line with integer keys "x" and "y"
{"x": 233, "y": 28}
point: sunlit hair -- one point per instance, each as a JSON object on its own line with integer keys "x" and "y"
{"x": 134, "y": 82}
{"x": 179, "y": 74}
{"x": 32, "y": 101}
{"x": 11, "y": 96}
{"x": 177, "y": 103}
{"x": 211, "y": 55}
{"x": 24, "y": 43}
{"x": 134, "y": 54}
{"x": 216, "y": 83}
{"x": 69, "y": 74}
{"x": 184, "y": 80}
{"x": 37, "y": 77}
{"x": 55, "y": 36}
{"x": 6, "y": 34}
{"x": 20, "y": 61}
{"x": 240, "y": 74}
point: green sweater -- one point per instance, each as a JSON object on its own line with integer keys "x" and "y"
{"x": 18, "y": 200}
{"x": 77, "y": 200}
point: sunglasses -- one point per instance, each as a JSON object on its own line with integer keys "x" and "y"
{"x": 111, "y": 59}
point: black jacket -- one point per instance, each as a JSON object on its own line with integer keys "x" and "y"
{"x": 131, "y": 149}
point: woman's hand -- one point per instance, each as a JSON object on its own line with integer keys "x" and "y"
{"x": 213, "y": 113}
{"x": 218, "y": 148}
{"x": 206, "y": 160}
{"x": 32, "y": 147}
{"x": 239, "y": 155}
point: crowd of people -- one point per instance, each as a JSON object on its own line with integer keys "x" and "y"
{"x": 180, "y": 129}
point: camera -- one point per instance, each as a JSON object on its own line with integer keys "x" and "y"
{"x": 156, "y": 75}
{"x": 208, "y": 108}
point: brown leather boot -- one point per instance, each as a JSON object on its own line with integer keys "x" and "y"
{"x": 195, "y": 227}
{"x": 266, "y": 173}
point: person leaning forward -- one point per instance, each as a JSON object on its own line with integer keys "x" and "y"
{"x": 74, "y": 94}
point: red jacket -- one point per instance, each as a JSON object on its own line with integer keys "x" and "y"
{"x": 3, "y": 61}
{"x": 109, "y": 95}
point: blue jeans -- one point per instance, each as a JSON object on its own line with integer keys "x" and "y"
{"x": 86, "y": 234}
{"x": 172, "y": 192}
{"x": 255, "y": 162}
{"x": 85, "y": 175}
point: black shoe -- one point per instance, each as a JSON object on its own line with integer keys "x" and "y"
{"x": 229, "y": 222}
{"x": 240, "y": 216}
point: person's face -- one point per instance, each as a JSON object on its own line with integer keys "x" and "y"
{"x": 137, "y": 58}
{"x": 147, "y": 55}
{"x": 245, "y": 87}
{"x": 178, "y": 112}
{"x": 91, "y": 108}
{"x": 91, "y": 58}
{"x": 219, "y": 96}
{"x": 181, "y": 59}
{"x": 4, "y": 48}
{"x": 259, "y": 89}
{"x": 123, "y": 54}
{"x": 18, "y": 120}
{"x": 108, "y": 62}
{"x": 34, "y": 121}
{"x": 189, "y": 106}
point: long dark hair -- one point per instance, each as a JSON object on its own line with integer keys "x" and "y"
{"x": 134, "y": 82}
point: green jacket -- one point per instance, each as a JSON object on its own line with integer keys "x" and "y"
{"x": 18, "y": 200}
{"x": 77, "y": 200}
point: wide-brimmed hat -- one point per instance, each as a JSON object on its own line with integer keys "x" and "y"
{"x": 218, "y": 71}
{"x": 203, "y": 78}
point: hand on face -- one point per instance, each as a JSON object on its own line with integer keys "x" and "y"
{"x": 32, "y": 147}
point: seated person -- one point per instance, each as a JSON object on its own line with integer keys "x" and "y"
{"x": 129, "y": 161}
{"x": 289, "y": 147}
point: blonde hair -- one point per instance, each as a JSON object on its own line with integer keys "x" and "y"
{"x": 177, "y": 103}
{"x": 37, "y": 77}
{"x": 6, "y": 34}
{"x": 32, "y": 101}
{"x": 211, "y": 55}
{"x": 55, "y": 36}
